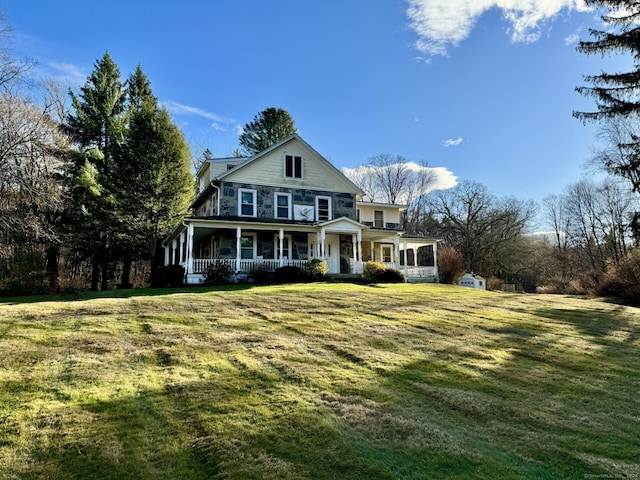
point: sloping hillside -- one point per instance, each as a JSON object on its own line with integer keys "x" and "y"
{"x": 319, "y": 381}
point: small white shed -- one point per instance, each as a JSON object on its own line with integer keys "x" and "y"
{"x": 473, "y": 281}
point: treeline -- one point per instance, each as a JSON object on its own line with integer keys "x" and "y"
{"x": 579, "y": 241}
{"x": 90, "y": 182}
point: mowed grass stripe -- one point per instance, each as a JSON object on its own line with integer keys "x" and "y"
{"x": 318, "y": 381}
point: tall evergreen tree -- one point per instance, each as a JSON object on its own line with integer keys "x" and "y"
{"x": 97, "y": 128}
{"x": 617, "y": 95}
{"x": 154, "y": 165}
{"x": 267, "y": 128}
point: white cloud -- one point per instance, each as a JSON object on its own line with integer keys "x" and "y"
{"x": 574, "y": 38}
{"x": 441, "y": 24}
{"x": 443, "y": 178}
{"x": 452, "y": 142}
{"x": 67, "y": 73}
{"x": 177, "y": 108}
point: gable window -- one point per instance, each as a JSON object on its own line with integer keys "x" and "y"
{"x": 323, "y": 208}
{"x": 378, "y": 218}
{"x": 293, "y": 166}
{"x": 282, "y": 205}
{"x": 247, "y": 203}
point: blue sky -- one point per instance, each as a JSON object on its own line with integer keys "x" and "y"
{"x": 481, "y": 89}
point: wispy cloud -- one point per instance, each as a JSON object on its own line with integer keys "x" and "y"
{"x": 574, "y": 38}
{"x": 441, "y": 24}
{"x": 177, "y": 108}
{"x": 67, "y": 73}
{"x": 452, "y": 142}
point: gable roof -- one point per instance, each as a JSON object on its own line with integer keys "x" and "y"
{"x": 339, "y": 178}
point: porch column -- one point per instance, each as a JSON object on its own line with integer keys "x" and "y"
{"x": 396, "y": 244}
{"x": 354, "y": 245}
{"x": 373, "y": 252}
{"x": 174, "y": 253}
{"x": 238, "y": 247}
{"x": 190, "y": 248}
{"x": 406, "y": 260}
{"x": 435, "y": 260}
{"x": 323, "y": 234}
{"x": 167, "y": 254}
{"x": 182, "y": 257}
{"x": 281, "y": 241}
{"x": 359, "y": 262}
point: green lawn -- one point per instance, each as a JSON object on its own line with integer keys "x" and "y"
{"x": 318, "y": 381}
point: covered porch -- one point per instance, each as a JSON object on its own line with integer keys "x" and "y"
{"x": 250, "y": 246}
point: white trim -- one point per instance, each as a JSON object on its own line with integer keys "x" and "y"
{"x": 323, "y": 197}
{"x": 289, "y": 205}
{"x": 254, "y": 193}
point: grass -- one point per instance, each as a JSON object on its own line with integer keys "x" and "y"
{"x": 318, "y": 381}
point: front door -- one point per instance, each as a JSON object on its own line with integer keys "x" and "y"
{"x": 332, "y": 253}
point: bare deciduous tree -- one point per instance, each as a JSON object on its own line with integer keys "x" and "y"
{"x": 483, "y": 228}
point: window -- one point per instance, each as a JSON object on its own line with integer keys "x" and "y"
{"x": 323, "y": 208}
{"x": 286, "y": 247}
{"x": 358, "y": 214}
{"x": 386, "y": 253}
{"x": 247, "y": 246}
{"x": 247, "y": 199}
{"x": 378, "y": 218}
{"x": 282, "y": 205}
{"x": 292, "y": 166}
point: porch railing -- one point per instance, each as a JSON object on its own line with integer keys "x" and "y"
{"x": 420, "y": 272}
{"x": 267, "y": 265}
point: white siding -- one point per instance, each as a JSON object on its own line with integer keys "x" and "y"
{"x": 391, "y": 212}
{"x": 316, "y": 173}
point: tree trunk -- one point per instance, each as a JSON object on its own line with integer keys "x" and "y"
{"x": 126, "y": 272}
{"x": 95, "y": 272}
{"x": 53, "y": 270}
{"x": 105, "y": 273}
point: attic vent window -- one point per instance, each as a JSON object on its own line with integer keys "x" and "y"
{"x": 293, "y": 166}
{"x": 230, "y": 166}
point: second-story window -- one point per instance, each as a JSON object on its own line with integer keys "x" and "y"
{"x": 378, "y": 218}
{"x": 283, "y": 205}
{"x": 247, "y": 203}
{"x": 323, "y": 208}
{"x": 293, "y": 166}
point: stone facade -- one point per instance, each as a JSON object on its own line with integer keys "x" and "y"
{"x": 342, "y": 204}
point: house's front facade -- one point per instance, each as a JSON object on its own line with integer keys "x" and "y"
{"x": 286, "y": 206}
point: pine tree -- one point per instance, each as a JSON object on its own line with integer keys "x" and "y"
{"x": 154, "y": 166}
{"x": 267, "y": 128}
{"x": 97, "y": 127}
{"x": 617, "y": 95}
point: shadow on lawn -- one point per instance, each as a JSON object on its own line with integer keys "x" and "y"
{"x": 202, "y": 430}
{"x": 125, "y": 293}
{"x": 599, "y": 326}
